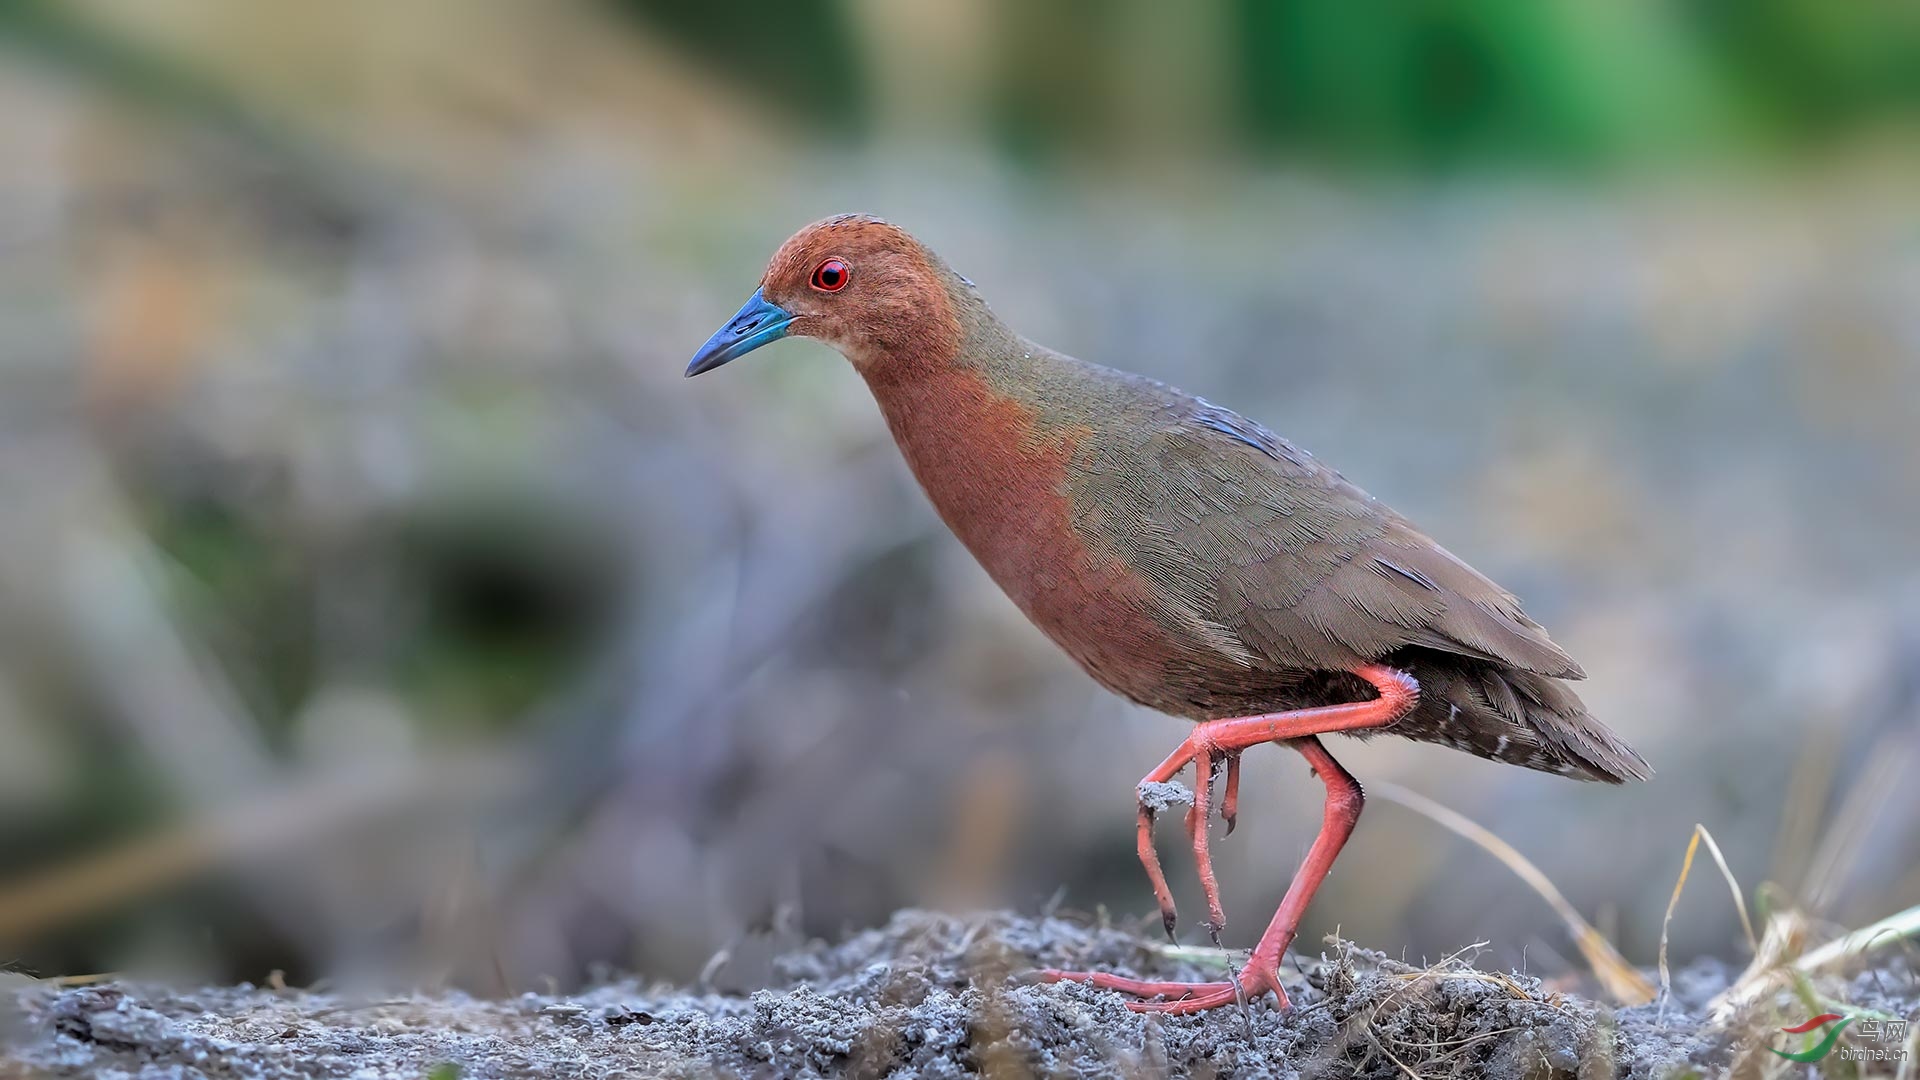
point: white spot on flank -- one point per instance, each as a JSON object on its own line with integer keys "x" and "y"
{"x": 1501, "y": 746}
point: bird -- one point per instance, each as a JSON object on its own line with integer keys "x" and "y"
{"x": 1187, "y": 558}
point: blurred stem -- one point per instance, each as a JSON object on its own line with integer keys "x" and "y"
{"x": 272, "y": 822}
{"x": 62, "y": 39}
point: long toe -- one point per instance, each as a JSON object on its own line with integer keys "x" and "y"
{"x": 1206, "y": 996}
{"x": 1184, "y": 1006}
{"x": 1197, "y": 823}
{"x": 1175, "y": 998}
{"x": 1157, "y": 878}
{"x": 1137, "y": 987}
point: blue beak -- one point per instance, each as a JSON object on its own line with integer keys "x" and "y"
{"x": 758, "y": 322}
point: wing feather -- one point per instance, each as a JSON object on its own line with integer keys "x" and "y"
{"x": 1296, "y": 560}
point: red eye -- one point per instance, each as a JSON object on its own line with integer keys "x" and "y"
{"x": 831, "y": 276}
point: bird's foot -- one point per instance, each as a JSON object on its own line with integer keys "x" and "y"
{"x": 1207, "y": 764}
{"x": 1179, "y": 998}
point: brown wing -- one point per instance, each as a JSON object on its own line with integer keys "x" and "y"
{"x": 1303, "y": 566}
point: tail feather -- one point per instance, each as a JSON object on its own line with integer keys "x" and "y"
{"x": 1517, "y": 717}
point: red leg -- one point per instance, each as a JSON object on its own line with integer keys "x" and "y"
{"x": 1398, "y": 694}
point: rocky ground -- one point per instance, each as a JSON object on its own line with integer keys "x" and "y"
{"x": 925, "y": 996}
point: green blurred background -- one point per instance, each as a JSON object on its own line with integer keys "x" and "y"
{"x": 376, "y": 599}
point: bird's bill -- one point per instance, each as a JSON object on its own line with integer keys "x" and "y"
{"x": 759, "y": 321}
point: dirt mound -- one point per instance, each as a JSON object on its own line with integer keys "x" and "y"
{"x": 925, "y": 996}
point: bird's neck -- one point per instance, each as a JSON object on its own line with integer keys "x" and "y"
{"x": 966, "y": 392}
{"x": 990, "y": 454}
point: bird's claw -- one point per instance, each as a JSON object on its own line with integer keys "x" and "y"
{"x": 1230, "y": 801}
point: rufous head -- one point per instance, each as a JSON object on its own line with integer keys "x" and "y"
{"x": 857, "y": 283}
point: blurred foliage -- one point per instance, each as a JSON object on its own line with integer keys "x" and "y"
{"x": 1809, "y": 70}
{"x": 61, "y": 36}
{"x": 1559, "y": 83}
{"x": 1564, "y": 82}
{"x": 513, "y": 596}
{"x": 799, "y": 57}
{"x": 1444, "y": 84}
{"x": 1048, "y": 78}
{"x": 483, "y": 607}
{"x": 312, "y": 189}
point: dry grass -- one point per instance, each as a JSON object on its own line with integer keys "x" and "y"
{"x": 1623, "y": 983}
{"x": 1745, "y": 1016}
{"x": 1700, "y": 833}
{"x": 1781, "y": 963}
